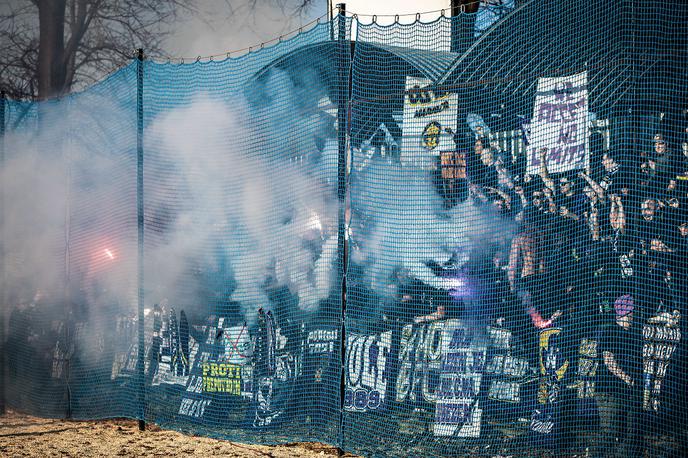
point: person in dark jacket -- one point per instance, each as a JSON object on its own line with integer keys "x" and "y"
{"x": 619, "y": 384}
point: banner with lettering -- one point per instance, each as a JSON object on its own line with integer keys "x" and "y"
{"x": 277, "y": 365}
{"x": 586, "y": 375}
{"x": 221, "y": 369}
{"x": 367, "y": 371}
{"x": 457, "y": 411}
{"x": 553, "y": 366}
{"x": 661, "y": 335}
{"x": 505, "y": 371}
{"x": 429, "y": 123}
{"x": 559, "y": 128}
{"x": 420, "y": 362}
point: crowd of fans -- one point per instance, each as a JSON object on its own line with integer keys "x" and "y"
{"x": 597, "y": 253}
{"x": 588, "y": 237}
{"x": 583, "y": 238}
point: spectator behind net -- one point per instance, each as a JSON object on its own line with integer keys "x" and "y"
{"x": 619, "y": 384}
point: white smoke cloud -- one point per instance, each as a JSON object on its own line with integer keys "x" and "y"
{"x": 67, "y": 215}
{"x": 399, "y": 226}
{"x": 270, "y": 218}
{"x": 238, "y": 199}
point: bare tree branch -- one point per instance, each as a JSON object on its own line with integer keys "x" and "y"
{"x": 100, "y": 36}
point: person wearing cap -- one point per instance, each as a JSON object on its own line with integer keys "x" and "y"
{"x": 618, "y": 388}
{"x": 664, "y": 165}
{"x": 680, "y": 261}
{"x": 480, "y": 163}
{"x": 682, "y": 163}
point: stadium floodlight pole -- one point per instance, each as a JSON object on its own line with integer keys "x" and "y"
{"x": 139, "y": 219}
{"x": 461, "y": 25}
{"x": 455, "y": 11}
{"x": 344, "y": 56}
{"x": 330, "y": 19}
{"x": 463, "y": 19}
{"x": 3, "y": 295}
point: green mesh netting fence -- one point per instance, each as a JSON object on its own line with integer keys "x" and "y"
{"x": 462, "y": 237}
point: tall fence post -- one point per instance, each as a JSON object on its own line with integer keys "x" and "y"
{"x": 344, "y": 53}
{"x": 3, "y": 295}
{"x": 139, "y": 220}
{"x": 462, "y": 24}
{"x": 330, "y": 19}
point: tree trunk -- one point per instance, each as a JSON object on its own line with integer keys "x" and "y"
{"x": 51, "y": 68}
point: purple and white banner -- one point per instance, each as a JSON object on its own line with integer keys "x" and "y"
{"x": 457, "y": 412}
{"x": 559, "y": 128}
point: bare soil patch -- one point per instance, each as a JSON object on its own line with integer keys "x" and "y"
{"x": 24, "y": 435}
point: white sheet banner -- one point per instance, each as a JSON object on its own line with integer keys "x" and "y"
{"x": 559, "y": 127}
{"x": 429, "y": 123}
{"x": 457, "y": 411}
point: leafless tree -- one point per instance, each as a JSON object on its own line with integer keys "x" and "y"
{"x": 48, "y": 47}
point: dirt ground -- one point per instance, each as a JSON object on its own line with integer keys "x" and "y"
{"x": 23, "y": 435}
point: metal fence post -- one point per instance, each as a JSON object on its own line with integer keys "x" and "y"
{"x": 344, "y": 53}
{"x": 3, "y": 295}
{"x": 139, "y": 219}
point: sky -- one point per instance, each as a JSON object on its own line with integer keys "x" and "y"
{"x": 400, "y": 7}
{"x": 219, "y": 28}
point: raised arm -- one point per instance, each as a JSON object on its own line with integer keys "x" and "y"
{"x": 514, "y": 261}
{"x": 593, "y": 184}
{"x": 617, "y": 215}
{"x": 614, "y": 368}
{"x": 543, "y": 172}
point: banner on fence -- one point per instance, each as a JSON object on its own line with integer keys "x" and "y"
{"x": 559, "y": 128}
{"x": 216, "y": 370}
{"x": 660, "y": 338}
{"x": 174, "y": 351}
{"x": 275, "y": 371}
{"x": 420, "y": 358}
{"x": 588, "y": 363}
{"x": 553, "y": 366}
{"x": 367, "y": 371}
{"x": 505, "y": 369}
{"x": 429, "y": 123}
{"x": 457, "y": 411}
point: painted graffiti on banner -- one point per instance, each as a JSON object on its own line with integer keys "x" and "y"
{"x": 420, "y": 357}
{"x": 588, "y": 364}
{"x": 429, "y": 122}
{"x": 211, "y": 373}
{"x": 504, "y": 368}
{"x": 321, "y": 356}
{"x": 194, "y": 408}
{"x": 125, "y": 342}
{"x": 659, "y": 343}
{"x": 553, "y": 367}
{"x": 367, "y": 371}
{"x": 322, "y": 341}
{"x": 222, "y": 378}
{"x": 560, "y": 124}
{"x": 275, "y": 370}
{"x": 229, "y": 370}
{"x": 457, "y": 411}
{"x": 176, "y": 350}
